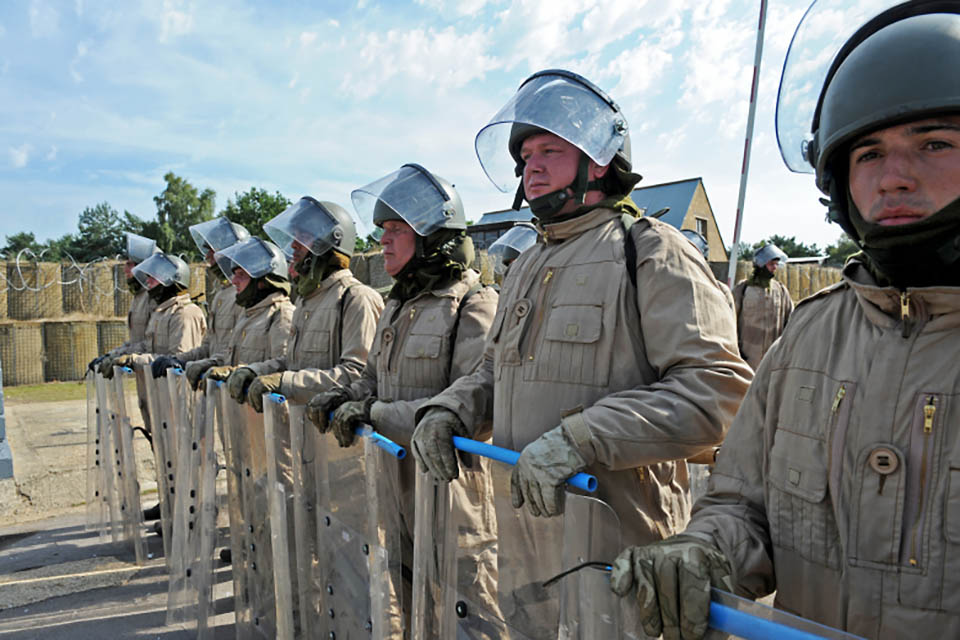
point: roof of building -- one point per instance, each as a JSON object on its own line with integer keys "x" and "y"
{"x": 507, "y": 215}
{"x": 673, "y": 196}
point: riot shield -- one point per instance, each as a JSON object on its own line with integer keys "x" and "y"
{"x": 252, "y": 559}
{"x": 457, "y": 596}
{"x": 189, "y": 424}
{"x": 209, "y": 517}
{"x": 358, "y": 567}
{"x": 164, "y": 447}
{"x": 303, "y": 448}
{"x": 276, "y": 431}
{"x": 127, "y": 486}
{"x": 99, "y": 478}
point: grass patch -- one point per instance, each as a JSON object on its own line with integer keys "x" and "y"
{"x": 53, "y": 391}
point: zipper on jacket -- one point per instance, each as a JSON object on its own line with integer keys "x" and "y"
{"x": 929, "y": 411}
{"x": 905, "y": 314}
{"x": 841, "y": 392}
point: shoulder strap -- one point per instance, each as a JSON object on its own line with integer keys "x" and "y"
{"x": 742, "y": 287}
{"x": 629, "y": 248}
{"x": 342, "y": 304}
{"x": 456, "y": 323}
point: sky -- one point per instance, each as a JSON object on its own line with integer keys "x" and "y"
{"x": 99, "y": 99}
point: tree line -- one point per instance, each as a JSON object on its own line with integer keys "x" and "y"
{"x": 835, "y": 254}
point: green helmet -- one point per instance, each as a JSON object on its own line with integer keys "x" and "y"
{"x": 413, "y": 195}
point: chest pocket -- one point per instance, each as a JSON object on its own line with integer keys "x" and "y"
{"x": 571, "y": 349}
{"x": 252, "y": 347}
{"x": 314, "y": 345}
{"x": 507, "y": 336}
{"x": 425, "y": 360}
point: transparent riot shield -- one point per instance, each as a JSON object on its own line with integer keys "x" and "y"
{"x": 99, "y": 478}
{"x": 164, "y": 447}
{"x": 209, "y": 518}
{"x": 252, "y": 559}
{"x": 358, "y": 566}
{"x": 303, "y": 449}
{"x": 458, "y": 596}
{"x": 276, "y": 431}
{"x": 189, "y": 424}
{"x": 127, "y": 485}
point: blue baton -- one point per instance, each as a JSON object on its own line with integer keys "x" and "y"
{"x": 583, "y": 481}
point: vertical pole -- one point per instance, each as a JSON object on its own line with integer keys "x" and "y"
{"x": 745, "y": 167}
{"x": 6, "y": 455}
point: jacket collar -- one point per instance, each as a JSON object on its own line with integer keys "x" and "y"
{"x": 560, "y": 231}
{"x": 883, "y": 305}
{"x": 181, "y": 299}
{"x": 334, "y": 278}
{"x": 274, "y": 298}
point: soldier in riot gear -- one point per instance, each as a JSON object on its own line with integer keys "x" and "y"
{"x": 613, "y": 349}
{"x": 210, "y": 236}
{"x": 763, "y": 305}
{"x": 836, "y": 484}
{"x": 509, "y": 246}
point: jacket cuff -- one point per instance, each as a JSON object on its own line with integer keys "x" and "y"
{"x": 578, "y": 433}
{"x": 451, "y": 405}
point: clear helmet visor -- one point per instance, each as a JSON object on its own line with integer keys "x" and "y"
{"x": 559, "y": 105}
{"x": 216, "y": 234}
{"x": 140, "y": 248}
{"x": 255, "y": 256}
{"x": 768, "y": 253}
{"x": 824, "y": 29}
{"x": 305, "y": 222}
{"x": 510, "y": 245}
{"x": 157, "y": 270}
{"x": 408, "y": 194}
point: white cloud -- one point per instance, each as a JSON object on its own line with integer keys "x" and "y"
{"x": 294, "y": 80}
{"x": 44, "y": 19}
{"x": 333, "y": 23}
{"x": 82, "y": 50}
{"x": 638, "y": 69}
{"x": 52, "y": 154}
{"x": 307, "y": 38}
{"x": 19, "y": 156}
{"x": 176, "y": 19}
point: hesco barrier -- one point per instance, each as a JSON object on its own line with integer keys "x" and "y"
{"x": 88, "y": 289}
{"x": 21, "y": 351}
{"x": 110, "y": 334}
{"x": 33, "y": 291}
{"x": 69, "y": 346}
{"x": 3, "y": 290}
{"x": 801, "y": 280}
{"x": 122, "y": 298}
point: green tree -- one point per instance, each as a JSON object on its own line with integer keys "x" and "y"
{"x": 790, "y": 246}
{"x": 100, "y": 235}
{"x": 254, "y": 207}
{"x": 839, "y": 251}
{"x": 19, "y": 241}
{"x": 179, "y": 206}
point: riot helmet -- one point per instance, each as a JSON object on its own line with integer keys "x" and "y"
{"x": 217, "y": 234}
{"x": 318, "y": 225}
{"x": 140, "y": 248}
{"x": 414, "y": 195}
{"x": 510, "y": 245}
{"x": 767, "y": 253}
{"x": 901, "y": 55}
{"x": 256, "y": 257}
{"x": 166, "y": 269}
{"x": 698, "y": 241}
{"x": 573, "y": 108}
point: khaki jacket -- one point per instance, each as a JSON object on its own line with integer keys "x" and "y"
{"x": 176, "y": 325}
{"x": 839, "y": 483}
{"x": 642, "y": 376}
{"x": 222, "y": 315}
{"x": 761, "y": 316}
{"x": 141, "y": 307}
{"x": 261, "y": 332}
{"x": 330, "y": 338}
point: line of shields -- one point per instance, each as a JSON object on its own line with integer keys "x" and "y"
{"x": 316, "y": 533}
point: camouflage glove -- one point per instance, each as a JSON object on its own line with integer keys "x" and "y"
{"x": 107, "y": 365}
{"x": 348, "y": 417}
{"x": 433, "y": 443}
{"x": 222, "y": 373}
{"x": 195, "y": 370}
{"x": 95, "y": 363}
{"x": 159, "y": 366}
{"x": 543, "y": 468}
{"x": 238, "y": 382}
{"x": 269, "y": 383}
{"x": 323, "y": 404}
{"x": 672, "y": 579}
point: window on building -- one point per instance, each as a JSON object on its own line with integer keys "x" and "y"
{"x": 702, "y": 226}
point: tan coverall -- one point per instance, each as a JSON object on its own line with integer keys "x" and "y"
{"x": 761, "y": 316}
{"x": 421, "y": 346}
{"x": 839, "y": 482}
{"x": 260, "y": 333}
{"x": 644, "y": 376}
{"x": 141, "y": 307}
{"x": 222, "y": 315}
{"x": 333, "y": 327}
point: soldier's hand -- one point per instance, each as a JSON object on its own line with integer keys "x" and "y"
{"x": 323, "y": 404}
{"x": 540, "y": 474}
{"x": 125, "y": 360}
{"x": 672, "y": 580}
{"x": 269, "y": 383}
{"x": 105, "y": 365}
{"x": 159, "y": 366}
{"x": 195, "y": 370}
{"x": 348, "y": 417}
{"x": 95, "y": 362}
{"x": 433, "y": 443}
{"x": 238, "y": 382}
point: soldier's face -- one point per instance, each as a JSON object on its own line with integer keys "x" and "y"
{"x": 211, "y": 261}
{"x": 240, "y": 279}
{"x": 399, "y": 242}
{"x": 550, "y": 164}
{"x": 905, "y": 173}
{"x": 772, "y": 265}
{"x": 299, "y": 252}
{"x": 152, "y": 282}
{"x": 128, "y": 268}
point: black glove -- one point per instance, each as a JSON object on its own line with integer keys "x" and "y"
{"x": 96, "y": 361}
{"x": 323, "y": 404}
{"x": 159, "y": 366}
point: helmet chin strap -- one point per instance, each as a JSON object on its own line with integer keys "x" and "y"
{"x": 548, "y": 205}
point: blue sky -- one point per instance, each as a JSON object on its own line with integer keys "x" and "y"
{"x": 98, "y": 100}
